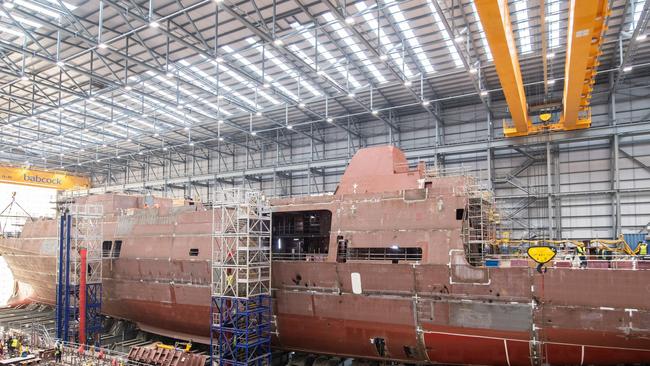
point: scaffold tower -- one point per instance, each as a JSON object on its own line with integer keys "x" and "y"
{"x": 241, "y": 279}
{"x": 79, "y": 274}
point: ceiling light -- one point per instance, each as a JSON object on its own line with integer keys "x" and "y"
{"x": 301, "y": 105}
{"x": 258, "y": 113}
{"x": 165, "y": 148}
{"x": 103, "y": 145}
{"x": 81, "y": 150}
{"x": 127, "y": 87}
{"x": 86, "y": 129}
{"x": 289, "y": 127}
{"x": 220, "y": 138}
{"x": 473, "y": 70}
{"x": 375, "y": 112}
{"x": 349, "y": 20}
{"x": 219, "y": 96}
{"x": 154, "y": 24}
{"x": 220, "y": 121}
{"x": 627, "y": 69}
{"x": 330, "y": 119}
{"x": 139, "y": 152}
{"x": 350, "y": 95}
{"x": 484, "y": 93}
{"x": 550, "y": 82}
{"x": 144, "y": 115}
{"x": 186, "y": 128}
{"x": 179, "y": 106}
{"x": 407, "y": 83}
{"x": 278, "y": 42}
{"x": 128, "y": 140}
{"x": 641, "y": 37}
{"x": 91, "y": 99}
{"x": 24, "y": 77}
{"x": 219, "y": 59}
{"x": 117, "y": 156}
{"x": 266, "y": 85}
{"x": 169, "y": 74}
{"x": 60, "y": 63}
{"x": 383, "y": 57}
{"x": 103, "y": 46}
{"x": 156, "y": 134}
{"x": 60, "y": 109}
{"x": 253, "y": 133}
{"x": 425, "y": 103}
{"x": 191, "y": 143}
{"x": 550, "y": 55}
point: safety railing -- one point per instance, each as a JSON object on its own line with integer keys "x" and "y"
{"x": 565, "y": 260}
{"x": 305, "y": 257}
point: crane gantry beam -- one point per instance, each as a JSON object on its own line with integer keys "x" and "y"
{"x": 495, "y": 17}
{"x": 584, "y": 37}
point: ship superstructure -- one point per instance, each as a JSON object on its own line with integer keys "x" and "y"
{"x": 398, "y": 264}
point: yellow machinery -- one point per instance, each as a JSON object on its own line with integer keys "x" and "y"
{"x": 180, "y": 346}
{"x": 586, "y": 27}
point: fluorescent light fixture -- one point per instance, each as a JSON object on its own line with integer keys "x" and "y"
{"x": 356, "y": 50}
{"x": 278, "y": 42}
{"x": 127, "y": 87}
{"x": 473, "y": 70}
{"x": 91, "y": 99}
{"x": 253, "y": 133}
{"x": 551, "y": 82}
{"x": 384, "y": 39}
{"x": 550, "y": 55}
{"x": 220, "y": 138}
{"x": 220, "y": 121}
{"x": 521, "y": 16}
{"x": 484, "y": 93}
{"x": 349, "y": 20}
{"x": 24, "y": 77}
{"x": 139, "y": 152}
{"x": 486, "y": 45}
{"x": 154, "y": 24}
{"x": 102, "y": 46}
{"x": 330, "y": 119}
{"x": 407, "y": 83}
{"x": 164, "y": 148}
{"x": 191, "y": 143}
{"x": 266, "y": 85}
{"x": 187, "y": 128}
{"x": 258, "y": 113}
{"x": 60, "y": 64}
{"x": 627, "y": 69}
{"x": 375, "y": 112}
{"x": 156, "y": 134}
{"x": 301, "y": 105}
{"x": 350, "y": 95}
{"x": 553, "y": 23}
{"x": 446, "y": 36}
{"x": 425, "y": 103}
{"x": 409, "y": 35}
{"x": 325, "y": 56}
{"x": 219, "y": 59}
{"x": 289, "y": 127}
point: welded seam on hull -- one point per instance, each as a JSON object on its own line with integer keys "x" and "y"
{"x": 528, "y": 341}
{"x": 505, "y": 345}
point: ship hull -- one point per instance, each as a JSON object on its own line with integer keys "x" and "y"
{"x": 422, "y": 316}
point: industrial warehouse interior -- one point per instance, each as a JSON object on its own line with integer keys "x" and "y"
{"x": 324, "y": 183}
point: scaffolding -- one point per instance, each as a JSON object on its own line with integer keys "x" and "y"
{"x": 80, "y": 241}
{"x": 480, "y": 222}
{"x": 240, "y": 309}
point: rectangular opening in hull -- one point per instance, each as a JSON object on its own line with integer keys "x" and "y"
{"x": 301, "y": 235}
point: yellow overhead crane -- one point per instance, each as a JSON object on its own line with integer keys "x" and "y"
{"x": 586, "y": 26}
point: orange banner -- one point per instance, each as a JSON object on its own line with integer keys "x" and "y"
{"x": 39, "y": 178}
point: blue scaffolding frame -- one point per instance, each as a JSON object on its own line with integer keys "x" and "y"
{"x": 67, "y": 292}
{"x": 241, "y": 330}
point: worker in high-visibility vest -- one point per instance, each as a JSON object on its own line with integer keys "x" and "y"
{"x": 642, "y": 249}
{"x": 582, "y": 254}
